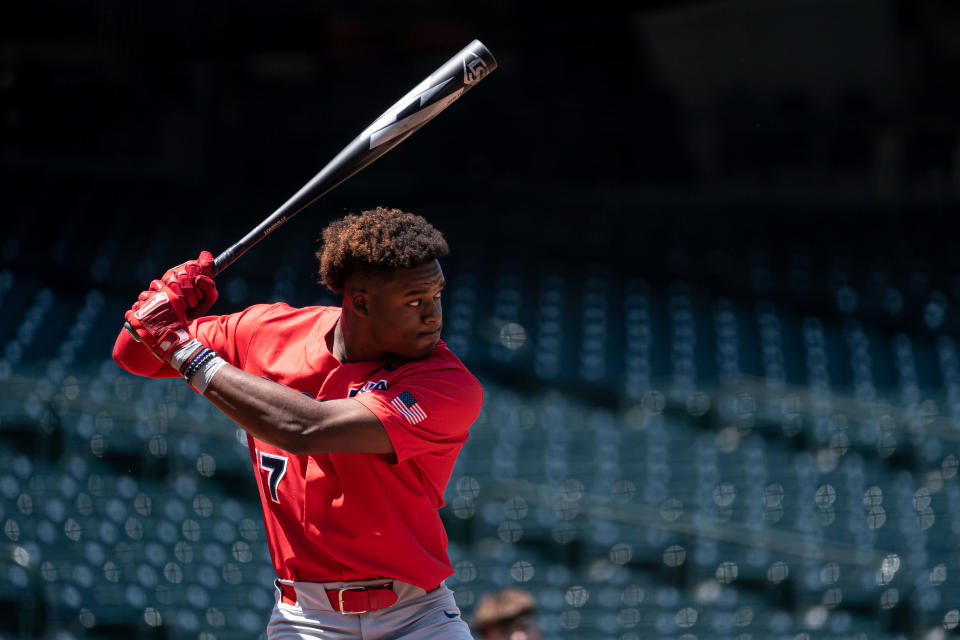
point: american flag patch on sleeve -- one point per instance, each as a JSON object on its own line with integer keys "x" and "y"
{"x": 406, "y": 404}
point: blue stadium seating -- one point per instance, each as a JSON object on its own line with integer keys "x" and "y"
{"x": 652, "y": 459}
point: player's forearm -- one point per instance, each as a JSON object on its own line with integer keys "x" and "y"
{"x": 291, "y": 421}
{"x": 270, "y": 412}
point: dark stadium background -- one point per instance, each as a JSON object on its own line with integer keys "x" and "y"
{"x": 703, "y": 260}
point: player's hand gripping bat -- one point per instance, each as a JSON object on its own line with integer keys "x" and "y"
{"x": 440, "y": 89}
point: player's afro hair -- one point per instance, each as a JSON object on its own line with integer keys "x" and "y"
{"x": 378, "y": 240}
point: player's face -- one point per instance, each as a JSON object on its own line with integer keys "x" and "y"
{"x": 405, "y": 312}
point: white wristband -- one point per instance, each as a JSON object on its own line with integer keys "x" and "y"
{"x": 180, "y": 355}
{"x": 202, "y": 378}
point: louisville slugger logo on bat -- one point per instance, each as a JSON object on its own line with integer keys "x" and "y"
{"x": 430, "y": 97}
{"x": 474, "y": 68}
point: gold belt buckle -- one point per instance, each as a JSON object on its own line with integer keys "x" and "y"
{"x": 340, "y": 598}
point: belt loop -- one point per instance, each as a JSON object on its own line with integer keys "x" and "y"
{"x": 288, "y": 595}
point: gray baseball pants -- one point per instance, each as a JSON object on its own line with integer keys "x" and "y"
{"x": 417, "y": 615}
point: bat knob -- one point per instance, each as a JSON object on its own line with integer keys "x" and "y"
{"x": 129, "y": 328}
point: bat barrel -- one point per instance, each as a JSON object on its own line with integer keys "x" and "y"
{"x": 477, "y": 62}
{"x": 434, "y": 94}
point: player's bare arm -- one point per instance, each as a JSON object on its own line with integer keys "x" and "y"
{"x": 273, "y": 413}
{"x": 384, "y": 318}
{"x": 293, "y": 422}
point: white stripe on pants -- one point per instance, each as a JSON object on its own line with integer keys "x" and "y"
{"x": 417, "y": 615}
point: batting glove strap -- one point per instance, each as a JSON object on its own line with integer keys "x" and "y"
{"x": 166, "y": 343}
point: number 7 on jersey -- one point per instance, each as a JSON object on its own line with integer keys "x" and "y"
{"x": 275, "y": 466}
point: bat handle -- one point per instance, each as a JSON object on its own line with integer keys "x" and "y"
{"x": 224, "y": 260}
{"x": 129, "y": 328}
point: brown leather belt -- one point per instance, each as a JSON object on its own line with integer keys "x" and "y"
{"x": 349, "y": 599}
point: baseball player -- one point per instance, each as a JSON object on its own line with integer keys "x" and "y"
{"x": 508, "y": 614}
{"x": 354, "y": 414}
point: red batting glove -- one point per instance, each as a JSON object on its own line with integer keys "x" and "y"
{"x": 159, "y": 319}
{"x": 193, "y": 281}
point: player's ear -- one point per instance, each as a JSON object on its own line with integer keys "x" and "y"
{"x": 359, "y": 302}
{"x": 359, "y": 288}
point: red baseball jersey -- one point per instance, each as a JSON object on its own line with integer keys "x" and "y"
{"x": 332, "y": 517}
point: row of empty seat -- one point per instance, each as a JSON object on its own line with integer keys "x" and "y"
{"x": 651, "y": 460}
{"x": 543, "y": 477}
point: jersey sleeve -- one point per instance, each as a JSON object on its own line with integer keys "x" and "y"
{"x": 426, "y": 412}
{"x": 229, "y": 335}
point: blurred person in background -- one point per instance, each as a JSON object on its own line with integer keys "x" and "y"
{"x": 509, "y": 614}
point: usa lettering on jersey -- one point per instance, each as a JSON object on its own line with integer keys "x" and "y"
{"x": 369, "y": 385}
